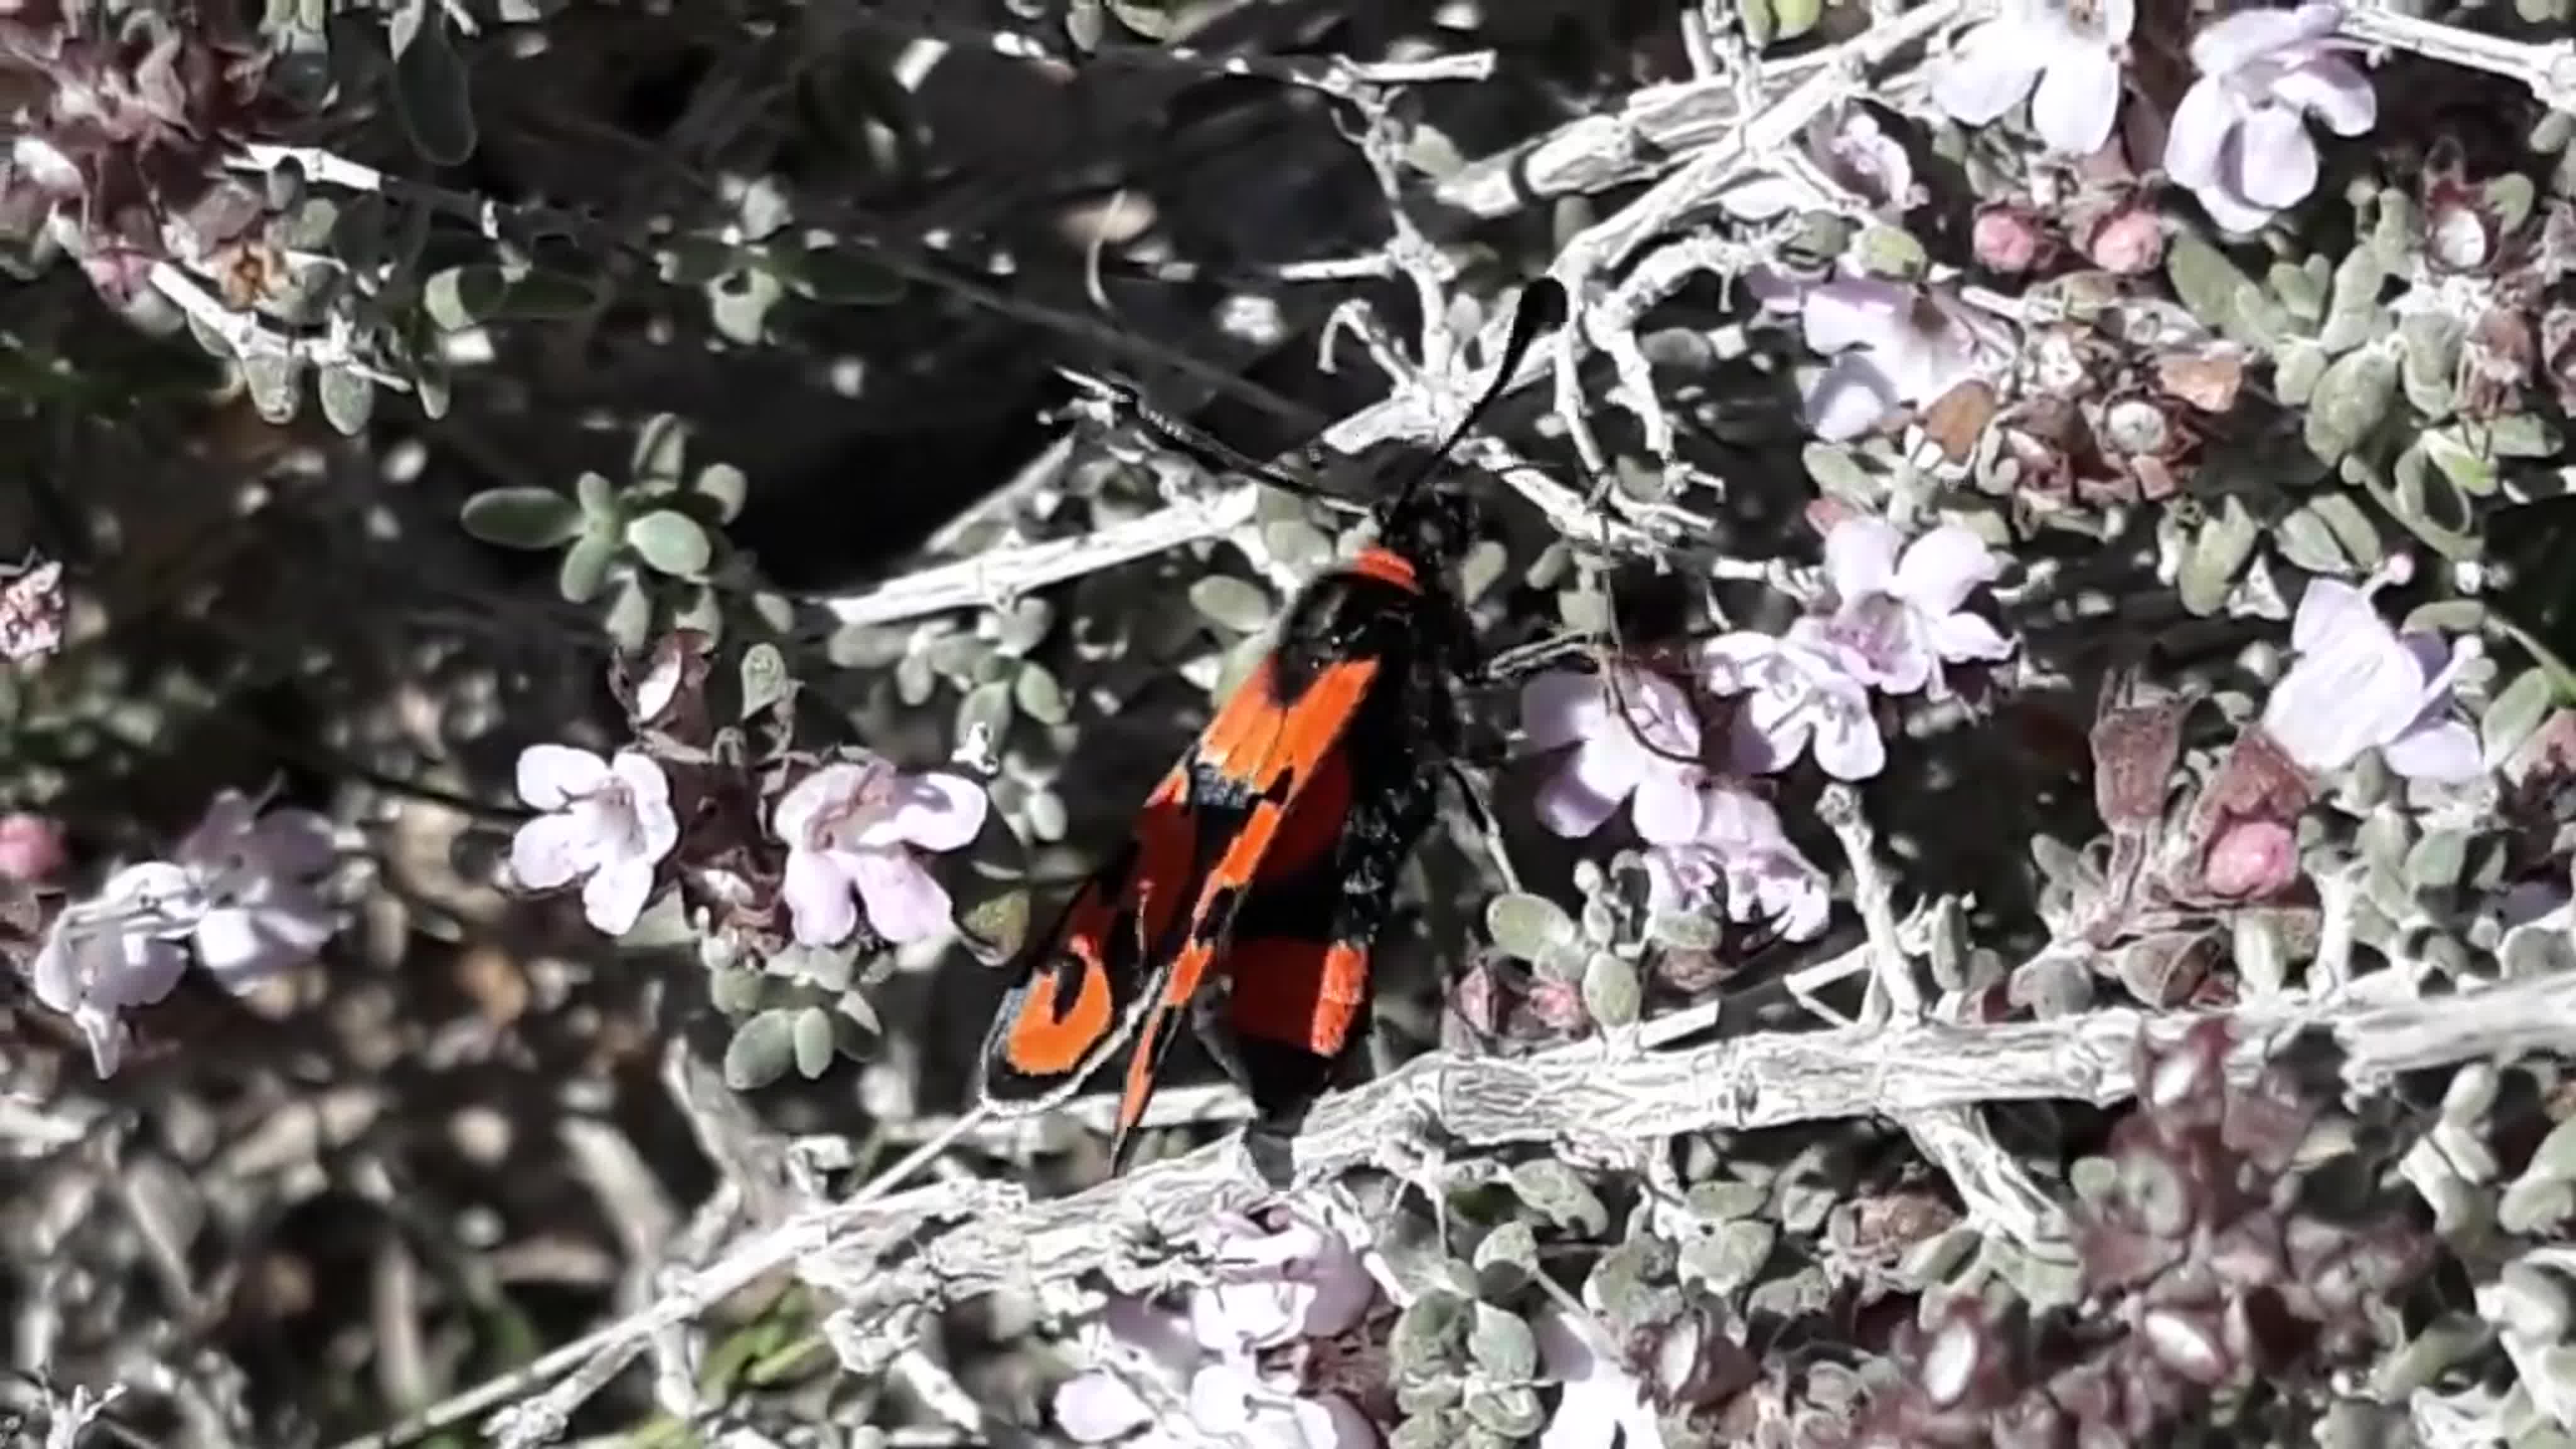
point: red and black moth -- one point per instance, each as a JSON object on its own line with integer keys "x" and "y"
{"x": 1268, "y": 857}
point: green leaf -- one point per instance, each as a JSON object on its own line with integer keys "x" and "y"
{"x": 1611, "y": 990}
{"x": 1793, "y": 18}
{"x": 2351, "y": 399}
{"x": 2218, "y": 551}
{"x": 585, "y": 567}
{"x": 813, "y": 1041}
{"x": 1885, "y": 251}
{"x": 1038, "y": 695}
{"x": 598, "y": 501}
{"x": 761, "y": 1050}
{"x": 2206, "y": 281}
{"x": 1756, "y": 18}
{"x": 522, "y": 517}
{"x": 1527, "y": 927}
{"x": 2515, "y": 714}
{"x": 724, "y": 485}
{"x": 1506, "y": 1260}
{"x": 1559, "y": 1192}
{"x": 1236, "y": 605}
{"x": 1503, "y": 1346}
{"x": 433, "y": 94}
{"x": 479, "y": 293}
{"x": 764, "y": 678}
{"x": 839, "y": 276}
{"x": 275, "y": 384}
{"x": 348, "y": 399}
{"x": 670, "y": 542}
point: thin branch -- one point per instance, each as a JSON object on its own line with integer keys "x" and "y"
{"x": 991, "y": 1239}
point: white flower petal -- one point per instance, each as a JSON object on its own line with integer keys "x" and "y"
{"x": 550, "y": 775}
{"x": 2077, "y": 100}
{"x": 1860, "y": 556}
{"x": 904, "y": 903}
{"x": 2334, "y": 91}
{"x": 1940, "y": 569}
{"x": 818, "y": 898}
{"x": 1994, "y": 68}
{"x": 2196, "y": 141}
{"x": 2275, "y": 162}
{"x": 2445, "y": 753}
{"x": 1849, "y": 398}
{"x": 550, "y": 850}
{"x": 1563, "y": 707}
{"x": 614, "y": 898}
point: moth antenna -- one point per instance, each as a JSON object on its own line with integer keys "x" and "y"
{"x": 1197, "y": 442}
{"x": 1539, "y": 302}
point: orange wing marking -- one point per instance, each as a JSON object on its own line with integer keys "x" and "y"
{"x": 1257, "y": 741}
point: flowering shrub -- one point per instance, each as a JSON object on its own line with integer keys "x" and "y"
{"x": 2002, "y": 865}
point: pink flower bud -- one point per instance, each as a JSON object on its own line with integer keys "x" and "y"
{"x": 2006, "y": 239}
{"x": 2128, "y": 242}
{"x": 31, "y": 848}
{"x": 2250, "y": 860}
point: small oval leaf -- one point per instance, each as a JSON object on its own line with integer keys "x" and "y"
{"x": 1230, "y": 603}
{"x": 434, "y": 95}
{"x": 522, "y": 517}
{"x": 813, "y": 1042}
{"x": 1526, "y": 926}
{"x": 764, "y": 678}
{"x": 761, "y": 1050}
{"x": 670, "y": 542}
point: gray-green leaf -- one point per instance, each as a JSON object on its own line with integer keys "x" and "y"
{"x": 1230, "y": 603}
{"x": 813, "y": 1039}
{"x": 670, "y": 542}
{"x": 585, "y": 567}
{"x": 1503, "y": 1345}
{"x": 1556, "y": 1190}
{"x": 348, "y": 399}
{"x": 2351, "y": 399}
{"x": 761, "y": 1050}
{"x": 2514, "y": 714}
{"x": 522, "y": 517}
{"x": 480, "y": 293}
{"x": 1527, "y": 927}
{"x": 433, "y": 94}
{"x": 764, "y": 678}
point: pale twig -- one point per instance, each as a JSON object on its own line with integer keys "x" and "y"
{"x": 1002, "y": 574}
{"x": 763, "y": 1253}
{"x": 1333, "y": 75}
{"x": 2549, "y": 71}
{"x": 1610, "y": 242}
{"x": 1999, "y": 1193}
{"x": 1756, "y": 1081}
{"x": 247, "y": 337}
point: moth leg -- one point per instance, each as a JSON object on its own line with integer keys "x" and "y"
{"x": 1479, "y": 809}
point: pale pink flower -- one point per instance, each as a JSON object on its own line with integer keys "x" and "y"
{"x": 1232, "y": 1403}
{"x": 255, "y": 879}
{"x": 1602, "y": 1405}
{"x": 1797, "y": 697}
{"x": 2070, "y": 50}
{"x": 31, "y": 847}
{"x": 1891, "y": 345}
{"x": 1268, "y": 1287}
{"x": 1896, "y": 615}
{"x": 606, "y": 823}
{"x": 2239, "y": 139}
{"x": 851, "y": 829}
{"x": 2357, "y": 683}
{"x": 1138, "y": 1347}
{"x": 31, "y": 613}
{"x": 1646, "y": 756}
{"x": 1849, "y": 146}
{"x": 115, "y": 953}
{"x": 1741, "y": 854}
